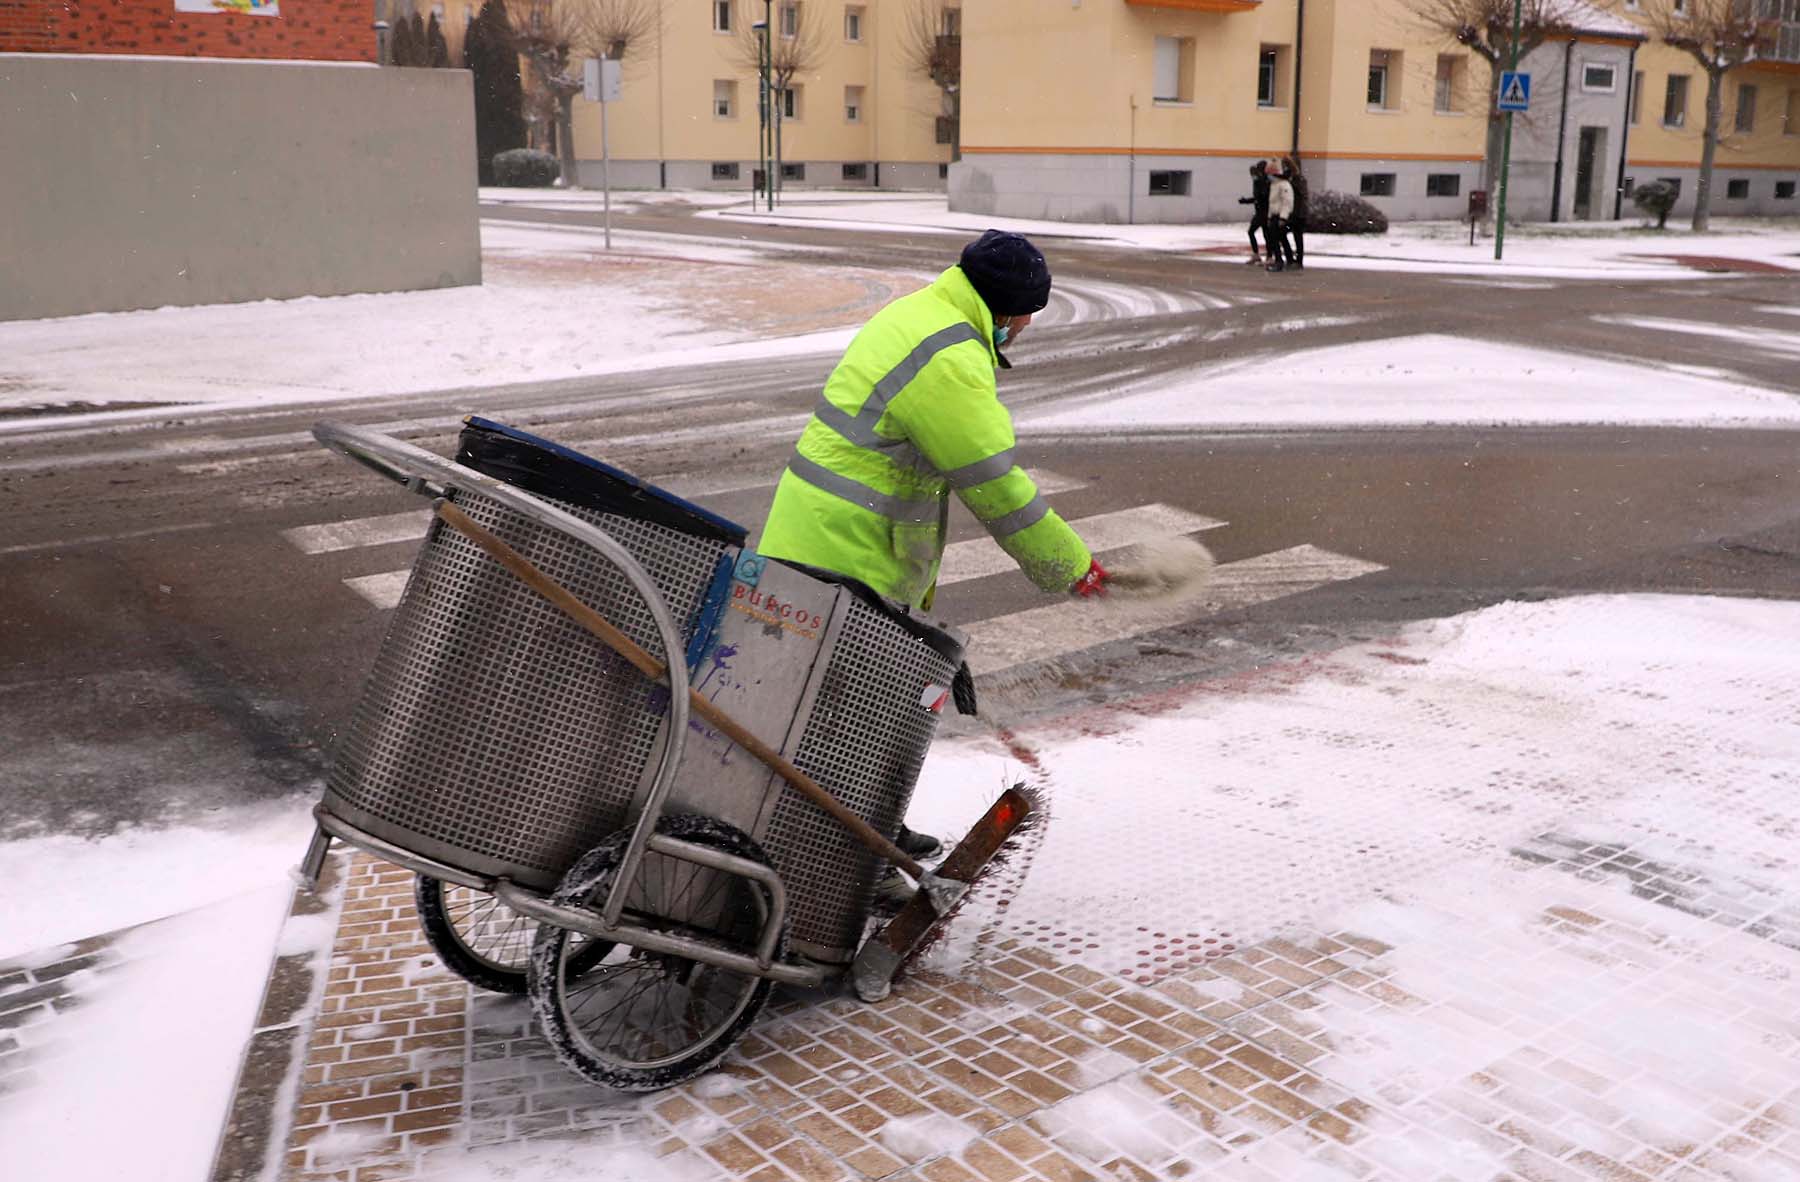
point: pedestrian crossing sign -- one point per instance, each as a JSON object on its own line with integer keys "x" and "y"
{"x": 1515, "y": 91}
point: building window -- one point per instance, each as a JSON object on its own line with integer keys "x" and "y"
{"x": 856, "y": 172}
{"x": 725, "y": 170}
{"x": 1377, "y": 184}
{"x": 1674, "y": 183}
{"x": 1637, "y": 98}
{"x": 944, "y": 128}
{"x": 952, "y": 22}
{"x": 1675, "y": 101}
{"x": 853, "y": 18}
{"x": 1171, "y": 183}
{"x": 1447, "y": 97}
{"x": 1784, "y": 190}
{"x": 1737, "y": 188}
{"x": 1270, "y": 68}
{"x": 793, "y": 172}
{"x": 1384, "y": 76}
{"x": 1599, "y": 78}
{"x": 1746, "y": 108}
{"x": 1443, "y": 184}
{"x": 943, "y": 172}
{"x": 721, "y": 16}
{"x": 790, "y": 20}
{"x": 724, "y": 99}
{"x": 853, "y": 104}
{"x": 1171, "y": 68}
{"x": 791, "y": 106}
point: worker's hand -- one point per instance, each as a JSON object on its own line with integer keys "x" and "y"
{"x": 1092, "y": 584}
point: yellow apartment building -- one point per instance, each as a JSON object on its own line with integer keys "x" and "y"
{"x": 1153, "y": 110}
{"x": 863, "y": 117}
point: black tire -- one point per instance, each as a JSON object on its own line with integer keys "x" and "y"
{"x": 481, "y": 939}
{"x": 683, "y": 1015}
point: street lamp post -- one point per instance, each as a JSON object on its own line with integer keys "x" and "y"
{"x": 774, "y": 131}
{"x": 762, "y": 106}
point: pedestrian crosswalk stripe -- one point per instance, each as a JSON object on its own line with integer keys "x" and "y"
{"x": 382, "y": 590}
{"x": 980, "y": 557}
{"x": 1043, "y": 633}
{"x": 972, "y": 559}
{"x": 695, "y": 487}
{"x": 363, "y": 531}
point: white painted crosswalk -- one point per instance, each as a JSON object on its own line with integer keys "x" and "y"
{"x": 997, "y": 643}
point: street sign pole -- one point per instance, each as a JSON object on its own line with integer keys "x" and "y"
{"x": 1506, "y": 148}
{"x": 600, "y": 84}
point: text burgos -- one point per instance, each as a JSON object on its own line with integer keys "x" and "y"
{"x": 764, "y": 602}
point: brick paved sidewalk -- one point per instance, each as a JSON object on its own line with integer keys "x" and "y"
{"x": 1514, "y": 1041}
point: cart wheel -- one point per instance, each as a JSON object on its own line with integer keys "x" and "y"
{"x": 639, "y": 1021}
{"x": 481, "y": 939}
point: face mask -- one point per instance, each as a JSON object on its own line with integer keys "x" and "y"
{"x": 1001, "y": 333}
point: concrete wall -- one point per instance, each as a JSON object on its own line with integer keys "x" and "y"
{"x": 134, "y": 183}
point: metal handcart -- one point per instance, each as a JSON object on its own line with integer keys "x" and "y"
{"x": 642, "y": 772}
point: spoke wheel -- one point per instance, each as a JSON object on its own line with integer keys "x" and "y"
{"x": 639, "y": 1021}
{"x": 481, "y": 939}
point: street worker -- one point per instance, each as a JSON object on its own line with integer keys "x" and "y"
{"x": 910, "y": 413}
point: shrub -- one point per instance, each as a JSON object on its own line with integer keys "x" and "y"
{"x": 525, "y": 168}
{"x": 1331, "y": 212}
{"x": 1655, "y": 199}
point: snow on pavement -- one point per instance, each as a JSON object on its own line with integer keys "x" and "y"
{"x": 134, "y": 1076}
{"x": 1383, "y": 794}
{"x": 1415, "y": 381}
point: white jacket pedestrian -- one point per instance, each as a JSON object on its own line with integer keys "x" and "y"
{"x": 1281, "y": 197}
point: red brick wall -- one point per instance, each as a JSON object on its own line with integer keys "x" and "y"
{"x": 315, "y": 30}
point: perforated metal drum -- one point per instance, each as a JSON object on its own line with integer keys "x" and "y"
{"x": 494, "y": 734}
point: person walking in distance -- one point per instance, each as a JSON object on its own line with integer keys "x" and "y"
{"x": 1296, "y": 225}
{"x": 910, "y": 413}
{"x": 1259, "y": 203}
{"x": 1281, "y": 208}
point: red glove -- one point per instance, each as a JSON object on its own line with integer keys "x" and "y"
{"x": 1093, "y": 583}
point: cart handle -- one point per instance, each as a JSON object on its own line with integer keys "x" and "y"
{"x": 423, "y": 472}
{"x": 656, "y": 671}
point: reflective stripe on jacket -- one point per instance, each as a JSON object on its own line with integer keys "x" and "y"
{"x": 908, "y": 414}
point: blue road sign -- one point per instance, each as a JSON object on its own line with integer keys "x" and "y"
{"x": 1515, "y": 91}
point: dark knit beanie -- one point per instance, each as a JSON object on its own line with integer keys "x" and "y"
{"x": 1007, "y": 272}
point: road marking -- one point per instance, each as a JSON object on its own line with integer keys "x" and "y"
{"x": 978, "y": 558}
{"x": 1043, "y": 633}
{"x": 102, "y": 539}
{"x": 362, "y": 531}
{"x": 694, "y": 487}
{"x": 1756, "y": 337}
{"x": 383, "y": 590}
{"x": 972, "y": 559}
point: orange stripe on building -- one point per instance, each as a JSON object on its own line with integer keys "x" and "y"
{"x": 1791, "y": 166}
{"x": 1239, "y": 153}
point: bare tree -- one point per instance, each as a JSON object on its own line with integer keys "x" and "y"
{"x": 796, "y": 48}
{"x": 555, "y": 37}
{"x": 1721, "y": 35}
{"x": 1485, "y": 27}
{"x": 932, "y": 43}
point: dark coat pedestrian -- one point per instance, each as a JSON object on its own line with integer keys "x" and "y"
{"x": 1259, "y": 204}
{"x": 1296, "y": 225}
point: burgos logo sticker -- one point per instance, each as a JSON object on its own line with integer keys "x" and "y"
{"x": 934, "y": 697}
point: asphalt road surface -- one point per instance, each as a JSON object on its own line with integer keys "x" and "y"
{"x": 189, "y": 602}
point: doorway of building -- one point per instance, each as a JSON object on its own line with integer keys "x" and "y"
{"x": 1589, "y": 158}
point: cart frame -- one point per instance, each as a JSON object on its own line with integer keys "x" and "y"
{"x": 427, "y": 474}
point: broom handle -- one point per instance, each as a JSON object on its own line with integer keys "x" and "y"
{"x": 652, "y": 668}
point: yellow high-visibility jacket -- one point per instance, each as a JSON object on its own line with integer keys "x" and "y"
{"x": 910, "y": 413}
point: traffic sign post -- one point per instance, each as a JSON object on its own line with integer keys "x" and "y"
{"x": 1515, "y": 95}
{"x": 600, "y": 84}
